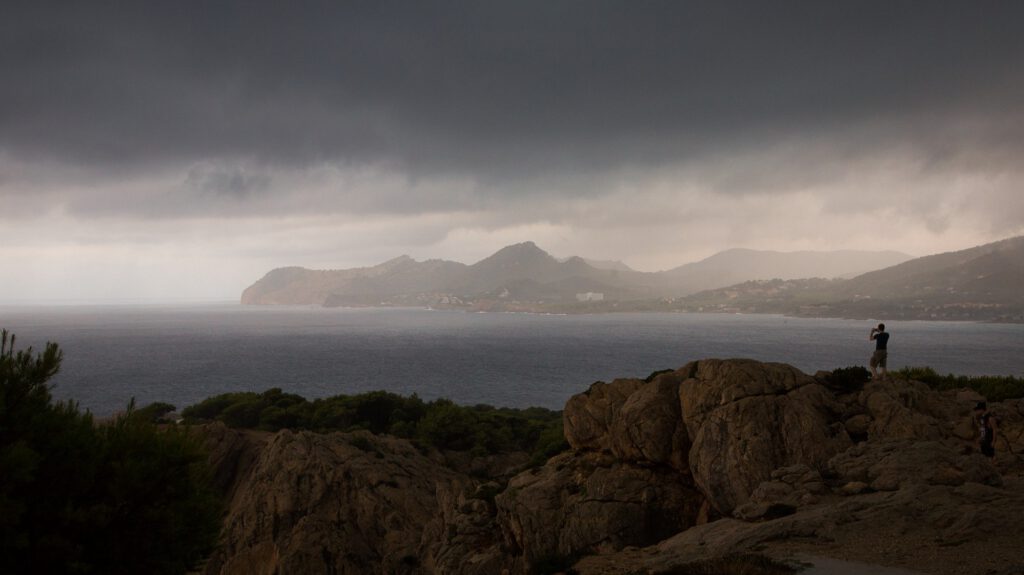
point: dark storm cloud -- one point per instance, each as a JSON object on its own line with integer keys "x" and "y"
{"x": 501, "y": 90}
{"x": 230, "y": 181}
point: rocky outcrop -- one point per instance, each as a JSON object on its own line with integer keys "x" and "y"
{"x": 588, "y": 416}
{"x": 338, "y": 503}
{"x": 233, "y": 453}
{"x": 789, "y": 488}
{"x": 583, "y": 503}
{"x": 748, "y": 419}
{"x": 927, "y": 528}
{"x": 1011, "y": 425}
{"x": 728, "y": 423}
{"x": 889, "y": 465}
{"x": 717, "y": 457}
{"x": 908, "y": 410}
{"x": 650, "y": 426}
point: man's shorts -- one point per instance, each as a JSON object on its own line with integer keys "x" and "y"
{"x": 878, "y": 358}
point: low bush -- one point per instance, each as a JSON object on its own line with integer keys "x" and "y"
{"x": 848, "y": 378}
{"x": 993, "y": 387}
{"x": 480, "y": 429}
{"x": 154, "y": 412}
{"x": 654, "y": 374}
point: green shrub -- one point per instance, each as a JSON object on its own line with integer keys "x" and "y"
{"x": 448, "y": 426}
{"x": 377, "y": 411}
{"x": 993, "y": 387}
{"x": 154, "y": 412}
{"x": 75, "y": 497}
{"x": 654, "y": 374}
{"x": 848, "y": 378}
{"x": 550, "y": 443}
{"x": 155, "y": 509}
{"x": 332, "y": 414}
{"x": 362, "y": 443}
{"x": 481, "y": 429}
{"x": 210, "y": 409}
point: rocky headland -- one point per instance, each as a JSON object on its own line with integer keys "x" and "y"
{"x": 717, "y": 458}
{"x": 523, "y": 277}
{"x": 976, "y": 284}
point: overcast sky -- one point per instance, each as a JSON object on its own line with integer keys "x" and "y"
{"x": 175, "y": 150}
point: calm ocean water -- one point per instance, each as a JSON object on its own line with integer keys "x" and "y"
{"x": 183, "y": 354}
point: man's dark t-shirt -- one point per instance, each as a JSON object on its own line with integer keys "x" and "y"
{"x": 881, "y": 339}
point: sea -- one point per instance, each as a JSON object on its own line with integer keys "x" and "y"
{"x": 182, "y": 354}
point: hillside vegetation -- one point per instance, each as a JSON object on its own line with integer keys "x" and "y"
{"x": 479, "y": 429}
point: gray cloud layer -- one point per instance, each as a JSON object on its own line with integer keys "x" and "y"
{"x": 343, "y": 133}
{"x": 497, "y": 89}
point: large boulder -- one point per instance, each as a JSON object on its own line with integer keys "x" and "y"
{"x": 649, "y": 426}
{"x": 901, "y": 409}
{"x": 589, "y": 415}
{"x": 746, "y": 419}
{"x": 591, "y": 502}
{"x": 339, "y": 503}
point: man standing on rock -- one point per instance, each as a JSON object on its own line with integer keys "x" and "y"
{"x": 878, "y": 359}
{"x": 986, "y": 429}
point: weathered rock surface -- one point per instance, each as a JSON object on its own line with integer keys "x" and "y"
{"x": 748, "y": 419}
{"x": 1011, "y": 425}
{"x": 889, "y": 465}
{"x": 649, "y": 427}
{"x": 338, "y": 503}
{"x": 592, "y": 503}
{"x": 729, "y": 423}
{"x": 718, "y": 457}
{"x": 972, "y": 528}
{"x": 789, "y": 488}
{"x": 589, "y": 416}
{"x": 907, "y": 410}
{"x": 233, "y": 454}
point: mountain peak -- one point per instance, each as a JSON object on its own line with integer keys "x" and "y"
{"x": 525, "y": 251}
{"x": 395, "y": 262}
{"x": 523, "y": 247}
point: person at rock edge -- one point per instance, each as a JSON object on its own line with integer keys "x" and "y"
{"x": 987, "y": 428}
{"x": 879, "y": 358}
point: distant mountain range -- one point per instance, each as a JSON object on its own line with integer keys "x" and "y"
{"x": 980, "y": 283}
{"x": 523, "y": 275}
{"x": 740, "y": 265}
